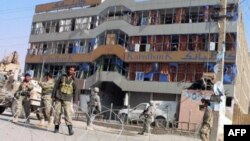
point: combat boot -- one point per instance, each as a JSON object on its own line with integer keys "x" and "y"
{"x": 41, "y": 122}
{"x": 50, "y": 122}
{"x": 27, "y": 121}
{"x": 56, "y": 129}
{"x": 15, "y": 120}
{"x": 71, "y": 132}
{"x": 141, "y": 133}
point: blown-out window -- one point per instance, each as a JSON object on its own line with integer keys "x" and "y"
{"x": 65, "y": 25}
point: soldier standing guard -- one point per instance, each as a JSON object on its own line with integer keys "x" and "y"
{"x": 207, "y": 121}
{"x": 94, "y": 105}
{"x": 46, "y": 103}
{"x": 63, "y": 94}
{"x": 148, "y": 114}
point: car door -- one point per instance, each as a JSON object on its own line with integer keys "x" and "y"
{"x": 137, "y": 111}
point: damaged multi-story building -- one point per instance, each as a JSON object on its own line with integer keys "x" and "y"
{"x": 141, "y": 49}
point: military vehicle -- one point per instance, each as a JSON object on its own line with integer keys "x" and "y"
{"x": 9, "y": 82}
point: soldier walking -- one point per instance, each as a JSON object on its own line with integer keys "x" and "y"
{"x": 23, "y": 98}
{"x": 207, "y": 121}
{"x": 148, "y": 114}
{"x": 46, "y": 103}
{"x": 63, "y": 93}
{"x": 94, "y": 105}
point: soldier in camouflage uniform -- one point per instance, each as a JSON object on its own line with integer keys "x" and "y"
{"x": 46, "y": 103}
{"x": 94, "y": 105}
{"x": 23, "y": 98}
{"x": 63, "y": 93}
{"x": 207, "y": 121}
{"x": 148, "y": 114}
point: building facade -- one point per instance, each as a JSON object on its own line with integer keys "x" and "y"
{"x": 145, "y": 49}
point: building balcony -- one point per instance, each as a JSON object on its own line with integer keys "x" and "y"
{"x": 63, "y": 10}
{"x": 75, "y": 58}
{"x": 130, "y": 30}
{"x": 142, "y": 86}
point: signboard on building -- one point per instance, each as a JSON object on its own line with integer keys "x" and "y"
{"x": 184, "y": 56}
{"x": 173, "y": 56}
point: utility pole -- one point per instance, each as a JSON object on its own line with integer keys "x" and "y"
{"x": 218, "y": 127}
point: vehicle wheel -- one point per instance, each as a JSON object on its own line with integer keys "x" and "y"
{"x": 124, "y": 118}
{"x": 14, "y": 107}
{"x": 160, "y": 122}
{"x": 2, "y": 109}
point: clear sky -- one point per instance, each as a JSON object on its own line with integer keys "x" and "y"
{"x": 15, "y": 25}
{"x": 16, "y": 18}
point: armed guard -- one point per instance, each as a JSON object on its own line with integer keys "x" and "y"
{"x": 63, "y": 94}
{"x": 46, "y": 103}
{"x": 148, "y": 115}
{"x": 94, "y": 105}
{"x": 23, "y": 98}
{"x": 207, "y": 121}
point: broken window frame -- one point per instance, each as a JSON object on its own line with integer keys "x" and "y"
{"x": 201, "y": 42}
{"x": 70, "y": 47}
{"x": 201, "y": 14}
{"x": 65, "y": 25}
{"x": 192, "y": 42}
{"x": 162, "y": 16}
{"x": 175, "y": 42}
{"x": 194, "y": 14}
{"x": 185, "y": 15}
{"x": 49, "y": 48}
{"x": 158, "y": 42}
{"x": 231, "y": 41}
{"x": 38, "y": 28}
{"x": 54, "y": 26}
{"x": 61, "y": 47}
{"x": 46, "y": 26}
{"x": 232, "y": 12}
{"x": 81, "y": 23}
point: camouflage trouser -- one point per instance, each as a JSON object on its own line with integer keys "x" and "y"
{"x": 91, "y": 112}
{"x": 204, "y": 133}
{"x": 46, "y": 105}
{"x": 67, "y": 107}
{"x": 23, "y": 102}
{"x": 146, "y": 125}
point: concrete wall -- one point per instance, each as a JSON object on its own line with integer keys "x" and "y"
{"x": 189, "y": 109}
{"x": 242, "y": 87}
{"x": 164, "y": 97}
{"x": 137, "y": 98}
{"x": 111, "y": 94}
{"x": 239, "y": 117}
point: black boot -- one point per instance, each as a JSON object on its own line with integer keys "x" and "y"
{"x": 27, "y": 121}
{"x": 56, "y": 129}
{"x": 71, "y": 132}
{"x": 140, "y": 133}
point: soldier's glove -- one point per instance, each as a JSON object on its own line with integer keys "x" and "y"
{"x": 28, "y": 94}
